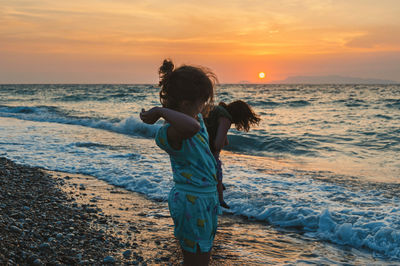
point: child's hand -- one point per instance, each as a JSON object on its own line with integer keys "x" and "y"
{"x": 151, "y": 116}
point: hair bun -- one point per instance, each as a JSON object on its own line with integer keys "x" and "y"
{"x": 167, "y": 67}
{"x": 165, "y": 70}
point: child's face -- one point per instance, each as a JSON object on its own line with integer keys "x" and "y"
{"x": 200, "y": 106}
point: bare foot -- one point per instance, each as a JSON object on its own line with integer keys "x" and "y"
{"x": 223, "y": 204}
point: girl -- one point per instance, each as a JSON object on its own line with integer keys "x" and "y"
{"x": 218, "y": 123}
{"x": 193, "y": 201}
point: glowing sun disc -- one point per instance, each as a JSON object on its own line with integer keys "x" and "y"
{"x": 261, "y": 75}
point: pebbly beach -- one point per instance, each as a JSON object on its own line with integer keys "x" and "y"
{"x": 50, "y": 218}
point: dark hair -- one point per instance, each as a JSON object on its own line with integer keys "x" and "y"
{"x": 185, "y": 83}
{"x": 242, "y": 114}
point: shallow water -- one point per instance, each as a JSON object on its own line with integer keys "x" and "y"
{"x": 238, "y": 241}
{"x": 323, "y": 163}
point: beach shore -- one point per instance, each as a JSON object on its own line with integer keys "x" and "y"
{"x": 56, "y": 218}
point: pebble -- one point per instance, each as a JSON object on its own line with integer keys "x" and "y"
{"x": 44, "y": 247}
{"x": 127, "y": 254}
{"x": 15, "y": 229}
{"x": 24, "y": 254}
{"x": 164, "y": 258}
{"x": 109, "y": 259}
{"x": 133, "y": 228}
{"x": 59, "y": 236}
{"x": 37, "y": 262}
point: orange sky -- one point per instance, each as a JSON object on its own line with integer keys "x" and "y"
{"x": 124, "y": 41}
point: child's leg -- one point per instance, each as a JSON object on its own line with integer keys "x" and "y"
{"x": 221, "y": 195}
{"x": 199, "y": 258}
{"x": 220, "y": 186}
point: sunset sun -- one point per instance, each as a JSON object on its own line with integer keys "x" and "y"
{"x": 261, "y": 75}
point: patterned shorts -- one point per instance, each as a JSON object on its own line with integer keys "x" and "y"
{"x": 195, "y": 217}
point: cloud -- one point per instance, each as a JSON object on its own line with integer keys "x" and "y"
{"x": 384, "y": 37}
{"x": 208, "y": 31}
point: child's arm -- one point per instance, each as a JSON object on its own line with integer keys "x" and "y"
{"x": 224, "y": 124}
{"x": 182, "y": 126}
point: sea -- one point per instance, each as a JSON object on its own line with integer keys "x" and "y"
{"x": 322, "y": 165}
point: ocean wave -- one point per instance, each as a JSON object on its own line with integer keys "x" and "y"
{"x": 103, "y": 97}
{"x": 129, "y": 126}
{"x": 298, "y": 103}
{"x": 76, "y": 92}
{"x": 271, "y": 104}
{"x": 393, "y": 103}
{"x": 26, "y": 109}
{"x": 93, "y": 145}
{"x": 360, "y": 216}
{"x": 263, "y": 103}
{"x": 377, "y": 235}
{"x": 263, "y": 145}
{"x": 355, "y": 103}
{"x": 249, "y": 143}
{"x": 384, "y": 116}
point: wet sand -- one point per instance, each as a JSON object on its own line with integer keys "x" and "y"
{"x": 90, "y": 222}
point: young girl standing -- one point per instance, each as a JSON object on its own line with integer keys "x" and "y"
{"x": 218, "y": 123}
{"x": 193, "y": 201}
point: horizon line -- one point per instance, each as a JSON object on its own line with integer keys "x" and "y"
{"x": 225, "y": 83}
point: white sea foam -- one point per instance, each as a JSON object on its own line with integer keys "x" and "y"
{"x": 130, "y": 126}
{"x": 328, "y": 211}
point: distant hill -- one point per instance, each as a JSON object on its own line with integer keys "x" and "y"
{"x": 332, "y": 80}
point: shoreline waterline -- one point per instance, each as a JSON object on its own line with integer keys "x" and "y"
{"x": 145, "y": 225}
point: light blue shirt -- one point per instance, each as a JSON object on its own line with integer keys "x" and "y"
{"x": 193, "y": 166}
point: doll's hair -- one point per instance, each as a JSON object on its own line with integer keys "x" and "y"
{"x": 242, "y": 114}
{"x": 185, "y": 83}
